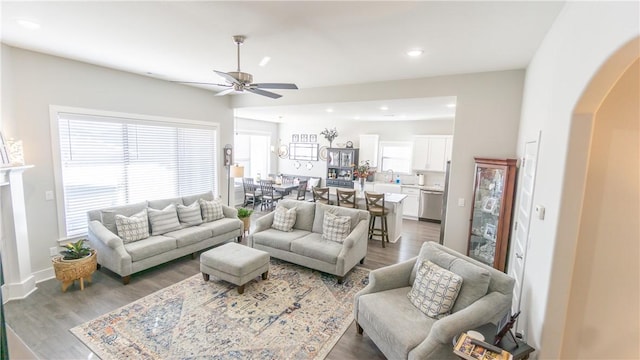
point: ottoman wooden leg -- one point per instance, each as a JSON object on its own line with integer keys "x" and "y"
{"x": 265, "y": 275}
{"x": 205, "y": 276}
{"x": 359, "y": 328}
{"x": 241, "y": 289}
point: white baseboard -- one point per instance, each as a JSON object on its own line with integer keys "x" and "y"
{"x": 16, "y": 291}
{"x": 44, "y": 275}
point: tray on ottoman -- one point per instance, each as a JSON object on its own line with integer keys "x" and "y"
{"x": 235, "y": 263}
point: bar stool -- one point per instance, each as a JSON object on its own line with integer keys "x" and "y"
{"x": 321, "y": 195}
{"x": 375, "y": 206}
{"x": 346, "y": 198}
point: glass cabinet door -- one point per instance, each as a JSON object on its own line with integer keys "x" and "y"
{"x": 346, "y": 159}
{"x": 333, "y": 158}
{"x": 486, "y": 211}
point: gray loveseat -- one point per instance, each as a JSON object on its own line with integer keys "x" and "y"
{"x": 305, "y": 245}
{"x": 125, "y": 259}
{"x": 402, "y": 331}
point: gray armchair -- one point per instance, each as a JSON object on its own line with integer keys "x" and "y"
{"x": 401, "y": 331}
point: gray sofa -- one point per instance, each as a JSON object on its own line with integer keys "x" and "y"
{"x": 125, "y": 259}
{"x": 305, "y": 245}
{"x": 402, "y": 331}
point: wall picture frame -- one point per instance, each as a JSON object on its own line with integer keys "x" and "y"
{"x": 304, "y": 138}
{"x": 313, "y": 138}
{"x": 295, "y": 138}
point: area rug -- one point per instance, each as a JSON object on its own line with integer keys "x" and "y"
{"x": 298, "y": 313}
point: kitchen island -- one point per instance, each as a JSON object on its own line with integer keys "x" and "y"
{"x": 394, "y": 204}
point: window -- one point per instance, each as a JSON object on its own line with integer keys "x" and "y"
{"x": 252, "y": 152}
{"x": 110, "y": 161}
{"x": 395, "y": 156}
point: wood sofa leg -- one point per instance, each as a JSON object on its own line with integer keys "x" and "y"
{"x": 265, "y": 275}
{"x": 241, "y": 289}
{"x": 239, "y": 238}
{"x": 361, "y": 261}
{"x": 359, "y": 328}
{"x": 340, "y": 279}
{"x": 205, "y": 276}
{"x": 194, "y": 256}
{"x": 126, "y": 279}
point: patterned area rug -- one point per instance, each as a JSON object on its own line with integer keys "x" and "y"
{"x": 298, "y": 313}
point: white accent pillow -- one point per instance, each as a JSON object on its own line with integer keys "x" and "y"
{"x": 284, "y": 219}
{"x": 313, "y": 182}
{"x": 134, "y": 227}
{"x": 211, "y": 210}
{"x": 434, "y": 290}
{"x": 335, "y": 228}
{"x": 163, "y": 221}
{"x": 191, "y": 214}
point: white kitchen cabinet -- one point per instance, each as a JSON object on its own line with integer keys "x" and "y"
{"x": 387, "y": 188}
{"x": 431, "y": 152}
{"x": 411, "y": 203}
{"x": 369, "y": 148}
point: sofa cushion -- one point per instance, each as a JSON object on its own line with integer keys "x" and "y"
{"x": 108, "y": 216}
{"x": 313, "y": 246}
{"x": 335, "y": 228}
{"x": 278, "y": 239}
{"x": 163, "y": 203}
{"x": 149, "y": 247}
{"x": 475, "y": 279}
{"x": 190, "y": 199}
{"x": 284, "y": 219}
{"x": 222, "y": 226}
{"x": 395, "y": 319}
{"x": 163, "y": 221}
{"x": 190, "y": 215}
{"x": 211, "y": 210}
{"x": 189, "y": 235}
{"x": 134, "y": 227}
{"x": 318, "y": 221}
{"x": 435, "y": 290}
{"x": 305, "y": 211}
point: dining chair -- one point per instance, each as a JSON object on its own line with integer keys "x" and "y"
{"x": 346, "y": 198}
{"x": 269, "y": 195}
{"x": 376, "y": 208}
{"x": 252, "y": 192}
{"x": 302, "y": 190}
{"x": 321, "y": 195}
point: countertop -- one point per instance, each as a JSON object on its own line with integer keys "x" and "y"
{"x": 411, "y": 186}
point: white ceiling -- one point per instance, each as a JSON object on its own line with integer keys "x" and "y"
{"x": 312, "y": 44}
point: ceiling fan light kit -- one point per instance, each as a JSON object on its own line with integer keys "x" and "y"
{"x": 238, "y": 81}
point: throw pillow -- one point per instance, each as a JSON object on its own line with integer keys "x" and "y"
{"x": 435, "y": 290}
{"x": 191, "y": 214}
{"x": 163, "y": 221}
{"x": 313, "y": 182}
{"x": 284, "y": 218}
{"x": 134, "y": 227}
{"x": 211, "y": 210}
{"x": 335, "y": 228}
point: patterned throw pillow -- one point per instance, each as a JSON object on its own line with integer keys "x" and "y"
{"x": 284, "y": 219}
{"x": 191, "y": 214}
{"x": 163, "y": 221}
{"x": 434, "y": 290}
{"x": 335, "y": 228}
{"x": 211, "y": 210}
{"x": 133, "y": 228}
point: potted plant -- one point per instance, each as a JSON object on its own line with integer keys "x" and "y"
{"x": 76, "y": 262}
{"x": 244, "y": 214}
{"x": 330, "y": 135}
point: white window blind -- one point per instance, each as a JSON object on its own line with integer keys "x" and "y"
{"x": 108, "y": 161}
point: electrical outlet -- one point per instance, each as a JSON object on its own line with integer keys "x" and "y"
{"x": 48, "y": 195}
{"x": 461, "y": 202}
{"x": 53, "y": 251}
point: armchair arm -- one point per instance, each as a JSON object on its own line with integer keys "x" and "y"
{"x": 98, "y": 232}
{"x": 386, "y": 278}
{"x": 229, "y": 212}
{"x": 358, "y": 234}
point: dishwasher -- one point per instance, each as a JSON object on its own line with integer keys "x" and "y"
{"x": 430, "y": 205}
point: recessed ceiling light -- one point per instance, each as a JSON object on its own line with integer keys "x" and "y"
{"x": 264, "y": 61}
{"x": 357, "y": 117}
{"x": 28, "y": 24}
{"x": 384, "y": 107}
{"x": 329, "y": 110}
{"x": 451, "y": 105}
{"x": 415, "y": 52}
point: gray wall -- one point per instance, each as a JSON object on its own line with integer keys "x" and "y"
{"x": 32, "y": 82}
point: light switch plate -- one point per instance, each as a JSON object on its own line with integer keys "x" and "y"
{"x": 48, "y": 195}
{"x": 461, "y": 202}
{"x": 540, "y": 211}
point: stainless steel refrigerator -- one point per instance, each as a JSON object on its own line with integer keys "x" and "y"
{"x": 445, "y": 197}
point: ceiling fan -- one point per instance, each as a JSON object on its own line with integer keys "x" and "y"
{"x": 241, "y": 81}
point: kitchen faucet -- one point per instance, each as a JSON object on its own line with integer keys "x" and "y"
{"x": 391, "y": 178}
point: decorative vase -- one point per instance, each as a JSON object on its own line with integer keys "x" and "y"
{"x": 330, "y": 143}
{"x": 247, "y": 224}
{"x": 362, "y": 183}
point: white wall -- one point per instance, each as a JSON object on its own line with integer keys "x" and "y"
{"x": 264, "y": 127}
{"x": 351, "y": 130}
{"x": 583, "y": 37}
{"x": 486, "y": 123}
{"x": 33, "y": 81}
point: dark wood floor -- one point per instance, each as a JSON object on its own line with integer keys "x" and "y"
{"x": 43, "y": 319}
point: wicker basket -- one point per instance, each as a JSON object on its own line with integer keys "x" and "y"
{"x": 69, "y": 270}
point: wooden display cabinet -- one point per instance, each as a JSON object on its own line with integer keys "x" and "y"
{"x": 341, "y": 162}
{"x": 491, "y": 212}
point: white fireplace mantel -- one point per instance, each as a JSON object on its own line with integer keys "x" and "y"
{"x": 19, "y": 282}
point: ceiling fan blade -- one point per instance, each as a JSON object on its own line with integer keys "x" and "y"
{"x": 275, "y": 86}
{"x": 225, "y": 92}
{"x": 200, "y": 83}
{"x": 264, "y": 93}
{"x": 227, "y": 77}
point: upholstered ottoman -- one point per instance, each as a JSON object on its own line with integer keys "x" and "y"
{"x": 235, "y": 263}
